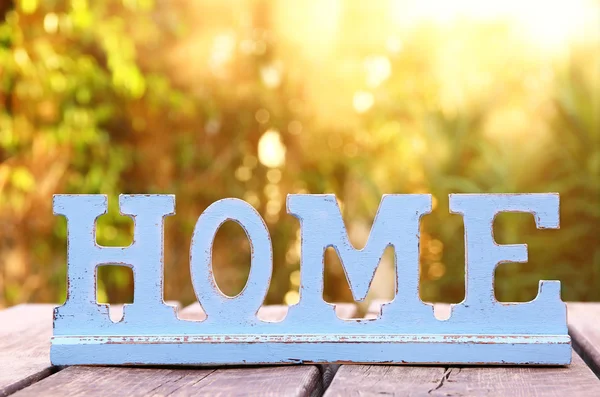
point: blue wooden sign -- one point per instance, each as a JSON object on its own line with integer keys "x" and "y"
{"x": 480, "y": 330}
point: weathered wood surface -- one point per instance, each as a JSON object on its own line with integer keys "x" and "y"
{"x": 24, "y": 363}
{"x": 358, "y": 380}
{"x": 355, "y": 380}
{"x": 25, "y": 332}
{"x": 116, "y": 381}
{"x": 584, "y": 328}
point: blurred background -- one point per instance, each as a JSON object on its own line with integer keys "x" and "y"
{"x": 257, "y": 99}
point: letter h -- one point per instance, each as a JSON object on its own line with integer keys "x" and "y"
{"x": 144, "y": 256}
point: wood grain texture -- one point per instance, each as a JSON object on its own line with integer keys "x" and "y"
{"x": 359, "y": 380}
{"x": 25, "y": 332}
{"x": 118, "y": 381}
{"x": 575, "y": 380}
{"x": 115, "y": 381}
{"x": 584, "y": 328}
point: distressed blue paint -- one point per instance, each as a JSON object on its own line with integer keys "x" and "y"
{"x": 545, "y": 352}
{"x": 479, "y": 330}
{"x": 220, "y": 309}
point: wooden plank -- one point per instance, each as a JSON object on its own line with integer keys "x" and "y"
{"x": 115, "y": 381}
{"x": 357, "y": 380}
{"x": 295, "y": 380}
{"x": 574, "y": 380}
{"x": 584, "y": 328}
{"x": 25, "y": 332}
{"x": 327, "y": 372}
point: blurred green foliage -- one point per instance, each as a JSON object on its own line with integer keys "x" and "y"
{"x": 251, "y": 99}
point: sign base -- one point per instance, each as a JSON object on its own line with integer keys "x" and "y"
{"x": 297, "y": 349}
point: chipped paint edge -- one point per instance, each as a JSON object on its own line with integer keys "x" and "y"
{"x": 297, "y": 349}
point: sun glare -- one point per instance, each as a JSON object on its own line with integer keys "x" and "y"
{"x": 548, "y": 24}
{"x": 271, "y": 151}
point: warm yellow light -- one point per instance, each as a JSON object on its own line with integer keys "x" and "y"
{"x": 546, "y": 23}
{"x": 273, "y": 207}
{"x": 262, "y": 116}
{"x": 274, "y": 175}
{"x": 252, "y": 199}
{"x": 51, "y": 22}
{"x": 222, "y": 51}
{"x": 311, "y": 24}
{"x": 271, "y": 191}
{"x": 436, "y": 270}
{"x": 271, "y": 150}
{"x": 243, "y": 174}
{"x": 378, "y": 68}
{"x": 291, "y": 298}
{"x": 295, "y": 127}
{"x": 362, "y": 101}
{"x": 295, "y": 278}
{"x": 552, "y": 23}
{"x": 270, "y": 76}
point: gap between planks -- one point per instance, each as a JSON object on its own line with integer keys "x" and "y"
{"x": 584, "y": 328}
{"x": 25, "y": 332}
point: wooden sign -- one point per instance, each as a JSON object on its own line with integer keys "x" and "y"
{"x": 480, "y": 330}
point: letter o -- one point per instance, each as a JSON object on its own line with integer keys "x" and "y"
{"x": 218, "y": 306}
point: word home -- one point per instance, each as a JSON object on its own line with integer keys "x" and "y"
{"x": 480, "y": 329}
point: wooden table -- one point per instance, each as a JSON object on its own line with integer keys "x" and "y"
{"x": 25, "y": 368}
